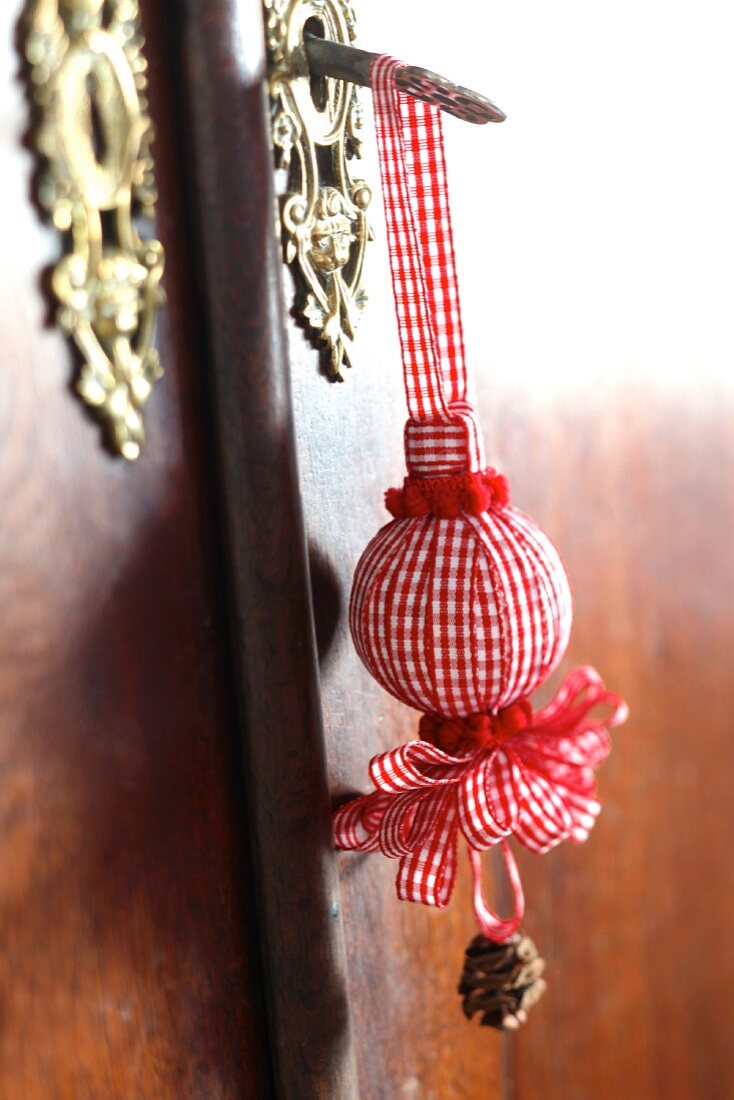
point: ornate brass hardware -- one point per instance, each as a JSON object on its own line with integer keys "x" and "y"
{"x": 316, "y": 131}
{"x": 94, "y": 133}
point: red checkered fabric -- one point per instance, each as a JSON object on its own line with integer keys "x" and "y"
{"x": 436, "y": 447}
{"x": 461, "y": 616}
{"x": 442, "y": 433}
{"x": 536, "y": 784}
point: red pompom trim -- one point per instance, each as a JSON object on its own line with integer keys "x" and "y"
{"x": 478, "y": 731}
{"x": 448, "y": 496}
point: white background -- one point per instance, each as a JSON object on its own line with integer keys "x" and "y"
{"x": 595, "y": 227}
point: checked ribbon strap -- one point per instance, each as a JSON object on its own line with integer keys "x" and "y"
{"x": 536, "y": 784}
{"x": 442, "y": 435}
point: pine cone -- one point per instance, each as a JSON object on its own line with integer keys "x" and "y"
{"x": 502, "y": 980}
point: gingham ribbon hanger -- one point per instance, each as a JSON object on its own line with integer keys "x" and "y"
{"x": 442, "y": 435}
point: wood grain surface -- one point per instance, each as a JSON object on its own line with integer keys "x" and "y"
{"x": 629, "y": 473}
{"x": 302, "y": 940}
{"x": 128, "y": 950}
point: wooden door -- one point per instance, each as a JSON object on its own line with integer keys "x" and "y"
{"x": 129, "y": 961}
{"x": 164, "y": 623}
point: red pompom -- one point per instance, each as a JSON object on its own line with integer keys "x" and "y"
{"x": 449, "y": 495}
{"x": 477, "y": 731}
{"x": 475, "y": 497}
{"x": 500, "y": 490}
{"x": 394, "y": 503}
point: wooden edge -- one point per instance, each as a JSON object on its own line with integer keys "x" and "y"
{"x": 274, "y": 645}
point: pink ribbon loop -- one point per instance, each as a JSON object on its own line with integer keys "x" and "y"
{"x": 490, "y": 924}
{"x": 536, "y": 784}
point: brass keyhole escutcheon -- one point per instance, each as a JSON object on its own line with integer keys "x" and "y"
{"x": 316, "y": 128}
{"x": 88, "y": 80}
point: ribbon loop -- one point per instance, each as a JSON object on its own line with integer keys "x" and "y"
{"x": 490, "y": 924}
{"x": 536, "y": 784}
{"x": 442, "y": 435}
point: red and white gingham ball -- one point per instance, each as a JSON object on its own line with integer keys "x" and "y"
{"x": 461, "y": 616}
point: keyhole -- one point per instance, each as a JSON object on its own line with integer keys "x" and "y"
{"x": 98, "y": 133}
{"x": 319, "y": 93}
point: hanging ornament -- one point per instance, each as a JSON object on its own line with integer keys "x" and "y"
{"x": 461, "y": 606}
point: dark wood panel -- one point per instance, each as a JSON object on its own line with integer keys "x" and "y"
{"x": 127, "y": 958}
{"x": 302, "y": 938}
{"x": 636, "y": 924}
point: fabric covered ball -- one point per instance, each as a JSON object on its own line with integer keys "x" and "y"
{"x": 461, "y": 605}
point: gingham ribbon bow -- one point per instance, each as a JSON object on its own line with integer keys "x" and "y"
{"x": 536, "y": 784}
